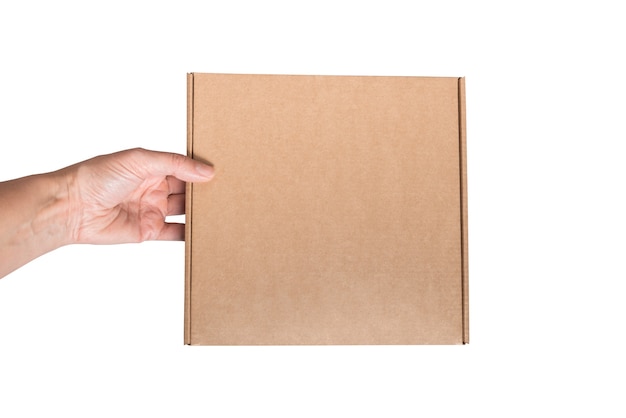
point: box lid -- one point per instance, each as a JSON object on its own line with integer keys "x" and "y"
{"x": 337, "y": 214}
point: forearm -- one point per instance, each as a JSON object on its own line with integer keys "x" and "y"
{"x": 34, "y": 218}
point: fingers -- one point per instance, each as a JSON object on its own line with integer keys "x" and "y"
{"x": 176, "y": 165}
{"x": 176, "y": 197}
{"x": 175, "y": 204}
{"x": 174, "y": 185}
{"x": 172, "y": 232}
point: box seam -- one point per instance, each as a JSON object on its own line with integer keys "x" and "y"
{"x": 463, "y": 197}
{"x": 188, "y": 211}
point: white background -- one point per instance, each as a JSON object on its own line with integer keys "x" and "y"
{"x": 97, "y": 331}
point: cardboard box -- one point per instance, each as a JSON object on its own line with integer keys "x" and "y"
{"x": 337, "y": 214}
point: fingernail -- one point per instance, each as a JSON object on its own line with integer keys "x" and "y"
{"x": 205, "y": 170}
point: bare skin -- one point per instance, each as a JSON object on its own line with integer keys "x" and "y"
{"x": 115, "y": 198}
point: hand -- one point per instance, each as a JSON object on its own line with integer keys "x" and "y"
{"x": 115, "y": 198}
{"x": 125, "y": 197}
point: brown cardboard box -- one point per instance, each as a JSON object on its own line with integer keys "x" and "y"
{"x": 337, "y": 214}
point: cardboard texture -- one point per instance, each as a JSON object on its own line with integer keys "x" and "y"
{"x": 337, "y": 214}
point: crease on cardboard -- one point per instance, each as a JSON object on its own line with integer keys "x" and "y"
{"x": 188, "y": 212}
{"x": 464, "y": 234}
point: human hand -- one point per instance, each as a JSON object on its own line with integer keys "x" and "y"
{"x": 110, "y": 199}
{"x": 125, "y": 196}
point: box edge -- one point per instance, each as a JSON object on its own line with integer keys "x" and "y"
{"x": 188, "y": 212}
{"x": 464, "y": 229}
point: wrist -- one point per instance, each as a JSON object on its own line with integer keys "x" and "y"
{"x": 68, "y": 211}
{"x": 52, "y": 221}
{"x": 36, "y": 221}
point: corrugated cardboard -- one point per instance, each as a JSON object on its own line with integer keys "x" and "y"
{"x": 337, "y": 214}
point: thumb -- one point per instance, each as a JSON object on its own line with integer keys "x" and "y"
{"x": 177, "y": 165}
